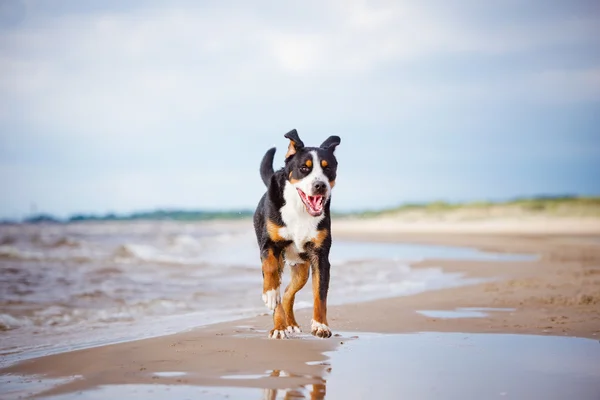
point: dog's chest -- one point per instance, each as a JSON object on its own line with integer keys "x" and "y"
{"x": 300, "y": 227}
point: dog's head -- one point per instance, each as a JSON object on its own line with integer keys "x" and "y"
{"x": 312, "y": 171}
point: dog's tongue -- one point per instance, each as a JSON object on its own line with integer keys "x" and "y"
{"x": 316, "y": 202}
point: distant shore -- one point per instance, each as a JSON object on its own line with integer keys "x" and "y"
{"x": 554, "y": 206}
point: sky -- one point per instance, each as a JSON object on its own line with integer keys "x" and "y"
{"x": 120, "y": 106}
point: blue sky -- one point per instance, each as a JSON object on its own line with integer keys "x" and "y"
{"x": 109, "y": 107}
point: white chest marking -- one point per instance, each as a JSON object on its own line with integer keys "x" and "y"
{"x": 301, "y": 227}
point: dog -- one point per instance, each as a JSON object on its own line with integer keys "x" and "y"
{"x": 293, "y": 226}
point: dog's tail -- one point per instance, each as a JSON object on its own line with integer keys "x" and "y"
{"x": 266, "y": 166}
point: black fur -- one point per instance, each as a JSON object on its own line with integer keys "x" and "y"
{"x": 266, "y": 166}
{"x": 293, "y": 135}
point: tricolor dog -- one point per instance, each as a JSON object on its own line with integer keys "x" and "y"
{"x": 293, "y": 226}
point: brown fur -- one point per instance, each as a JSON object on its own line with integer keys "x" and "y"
{"x": 272, "y": 267}
{"x": 319, "y": 306}
{"x": 273, "y": 230}
{"x": 291, "y": 149}
{"x": 299, "y": 279}
{"x": 278, "y": 319}
{"x": 321, "y": 235}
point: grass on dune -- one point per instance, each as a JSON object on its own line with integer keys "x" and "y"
{"x": 555, "y": 206}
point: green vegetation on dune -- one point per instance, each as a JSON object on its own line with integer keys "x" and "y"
{"x": 158, "y": 215}
{"x": 173, "y": 215}
{"x": 550, "y": 205}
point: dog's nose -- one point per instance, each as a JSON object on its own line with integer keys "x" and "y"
{"x": 319, "y": 187}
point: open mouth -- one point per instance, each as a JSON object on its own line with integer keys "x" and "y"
{"x": 314, "y": 204}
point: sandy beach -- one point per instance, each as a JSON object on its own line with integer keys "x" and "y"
{"x": 551, "y": 300}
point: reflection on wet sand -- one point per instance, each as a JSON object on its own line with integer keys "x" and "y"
{"x": 316, "y": 392}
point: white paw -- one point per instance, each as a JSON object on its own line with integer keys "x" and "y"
{"x": 271, "y": 298}
{"x": 278, "y": 334}
{"x": 320, "y": 330}
{"x": 293, "y": 329}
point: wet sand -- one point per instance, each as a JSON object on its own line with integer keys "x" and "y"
{"x": 558, "y": 294}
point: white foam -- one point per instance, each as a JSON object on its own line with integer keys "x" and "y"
{"x": 13, "y": 252}
{"x": 8, "y": 322}
{"x": 184, "y": 241}
{"x": 140, "y": 252}
{"x": 248, "y": 376}
{"x": 169, "y": 374}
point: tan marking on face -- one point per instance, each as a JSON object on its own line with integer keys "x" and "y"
{"x": 292, "y": 180}
{"x": 309, "y": 163}
{"x": 324, "y": 163}
{"x": 271, "y": 267}
{"x": 291, "y": 149}
{"x": 273, "y": 231}
{"x": 321, "y": 235}
{"x": 332, "y": 183}
{"x": 319, "y": 306}
{"x": 299, "y": 279}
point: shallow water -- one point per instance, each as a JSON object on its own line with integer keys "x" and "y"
{"x": 463, "y": 312}
{"x": 67, "y": 286}
{"x": 466, "y": 366}
{"x": 416, "y": 366}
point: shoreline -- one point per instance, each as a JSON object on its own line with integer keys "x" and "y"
{"x": 557, "y": 294}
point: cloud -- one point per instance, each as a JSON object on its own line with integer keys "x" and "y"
{"x": 120, "y": 90}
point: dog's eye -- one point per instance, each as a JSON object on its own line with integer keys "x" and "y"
{"x": 304, "y": 169}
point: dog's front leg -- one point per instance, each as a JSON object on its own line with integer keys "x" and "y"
{"x": 272, "y": 266}
{"x": 271, "y": 271}
{"x": 320, "y": 282}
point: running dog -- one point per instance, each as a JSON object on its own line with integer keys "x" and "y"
{"x": 293, "y": 226}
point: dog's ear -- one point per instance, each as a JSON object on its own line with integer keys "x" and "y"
{"x": 295, "y": 143}
{"x": 331, "y": 143}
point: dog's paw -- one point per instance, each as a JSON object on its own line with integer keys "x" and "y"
{"x": 277, "y": 334}
{"x": 271, "y": 298}
{"x": 320, "y": 330}
{"x": 293, "y": 329}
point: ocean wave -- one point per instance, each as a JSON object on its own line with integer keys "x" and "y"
{"x": 8, "y": 322}
{"x": 64, "y": 242}
{"x": 60, "y": 316}
{"x": 226, "y": 237}
{"x": 14, "y": 253}
{"x": 183, "y": 241}
{"x": 50, "y": 241}
{"x": 128, "y": 253}
{"x": 8, "y": 239}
